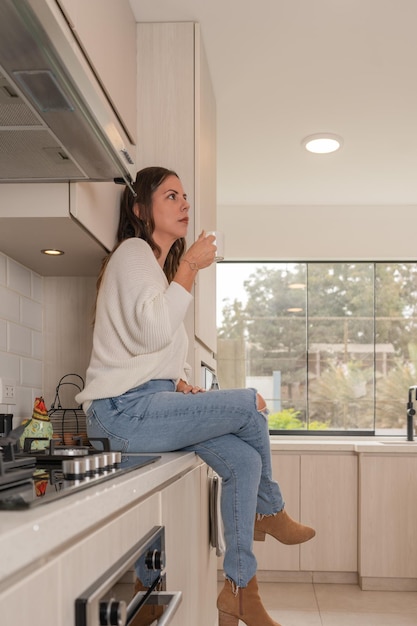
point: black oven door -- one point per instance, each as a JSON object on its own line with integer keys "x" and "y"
{"x": 133, "y": 591}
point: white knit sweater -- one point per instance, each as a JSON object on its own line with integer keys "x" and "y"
{"x": 139, "y": 333}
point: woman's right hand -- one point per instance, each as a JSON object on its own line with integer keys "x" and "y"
{"x": 198, "y": 256}
{"x": 202, "y": 251}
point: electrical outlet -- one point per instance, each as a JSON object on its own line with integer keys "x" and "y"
{"x": 7, "y": 391}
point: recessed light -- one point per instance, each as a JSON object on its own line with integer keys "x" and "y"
{"x": 52, "y": 252}
{"x": 322, "y": 143}
{"x": 294, "y": 309}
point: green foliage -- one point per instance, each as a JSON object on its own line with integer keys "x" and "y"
{"x": 287, "y": 419}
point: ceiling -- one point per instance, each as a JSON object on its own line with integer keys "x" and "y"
{"x": 285, "y": 69}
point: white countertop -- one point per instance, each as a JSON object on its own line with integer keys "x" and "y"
{"x": 28, "y": 535}
{"x": 358, "y": 445}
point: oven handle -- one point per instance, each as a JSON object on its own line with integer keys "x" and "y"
{"x": 173, "y": 605}
{"x": 170, "y": 599}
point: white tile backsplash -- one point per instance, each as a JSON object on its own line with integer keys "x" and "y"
{"x": 18, "y": 277}
{"x": 9, "y": 304}
{"x": 37, "y": 345}
{"x": 24, "y": 403}
{"x": 10, "y": 366}
{"x": 3, "y": 335}
{"x": 31, "y": 313}
{"x": 21, "y": 338}
{"x": 37, "y": 287}
{"x": 31, "y": 372}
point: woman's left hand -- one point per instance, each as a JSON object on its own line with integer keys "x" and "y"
{"x": 184, "y": 387}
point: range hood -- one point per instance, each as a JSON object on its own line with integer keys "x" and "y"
{"x": 56, "y": 123}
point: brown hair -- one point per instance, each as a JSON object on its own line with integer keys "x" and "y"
{"x": 130, "y": 225}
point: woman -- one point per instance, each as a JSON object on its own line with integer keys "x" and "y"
{"x": 138, "y": 363}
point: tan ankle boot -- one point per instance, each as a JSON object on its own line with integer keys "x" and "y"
{"x": 242, "y": 604}
{"x": 283, "y": 528}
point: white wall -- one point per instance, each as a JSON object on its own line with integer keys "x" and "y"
{"x": 21, "y": 338}
{"x": 319, "y": 233}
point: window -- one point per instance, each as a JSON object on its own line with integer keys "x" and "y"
{"x": 332, "y": 347}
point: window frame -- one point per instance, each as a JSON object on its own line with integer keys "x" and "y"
{"x": 350, "y": 433}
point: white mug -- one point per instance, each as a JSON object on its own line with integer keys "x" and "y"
{"x": 219, "y": 243}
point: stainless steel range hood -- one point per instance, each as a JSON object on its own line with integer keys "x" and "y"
{"x": 56, "y": 123}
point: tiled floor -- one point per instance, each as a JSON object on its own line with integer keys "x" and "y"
{"x": 299, "y": 604}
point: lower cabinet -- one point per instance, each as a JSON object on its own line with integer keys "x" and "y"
{"x": 320, "y": 490}
{"x": 329, "y": 503}
{"x": 388, "y": 522}
{"x": 191, "y": 563}
{"x": 364, "y": 509}
{"x": 270, "y": 554}
{"x": 33, "y": 600}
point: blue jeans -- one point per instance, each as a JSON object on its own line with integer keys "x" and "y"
{"x": 224, "y": 428}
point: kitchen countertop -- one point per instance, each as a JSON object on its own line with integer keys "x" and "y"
{"x": 29, "y": 535}
{"x": 359, "y": 445}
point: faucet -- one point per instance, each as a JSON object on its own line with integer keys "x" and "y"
{"x": 410, "y": 413}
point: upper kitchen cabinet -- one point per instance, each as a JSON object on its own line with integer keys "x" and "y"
{"x": 96, "y": 207}
{"x": 206, "y": 197}
{"x": 106, "y": 32}
{"x": 37, "y": 216}
{"x": 177, "y": 129}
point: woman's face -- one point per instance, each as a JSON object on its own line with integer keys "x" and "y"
{"x": 170, "y": 212}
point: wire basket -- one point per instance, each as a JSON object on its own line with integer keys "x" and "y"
{"x": 69, "y": 424}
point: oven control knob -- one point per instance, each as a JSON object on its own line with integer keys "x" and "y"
{"x": 74, "y": 469}
{"x": 155, "y": 560}
{"x": 112, "y": 459}
{"x": 113, "y": 613}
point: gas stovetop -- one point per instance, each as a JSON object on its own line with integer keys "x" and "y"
{"x": 28, "y": 479}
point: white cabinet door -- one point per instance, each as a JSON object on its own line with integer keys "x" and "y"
{"x": 271, "y": 554}
{"x": 106, "y": 32}
{"x": 388, "y": 514}
{"x": 35, "y": 600}
{"x": 329, "y": 496}
{"x": 96, "y": 206}
{"x": 37, "y": 216}
{"x": 320, "y": 491}
{"x": 190, "y": 565}
{"x": 177, "y": 129}
{"x": 166, "y": 120}
{"x": 205, "y": 197}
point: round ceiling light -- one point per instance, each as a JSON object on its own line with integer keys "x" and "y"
{"x": 52, "y": 252}
{"x": 322, "y": 143}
